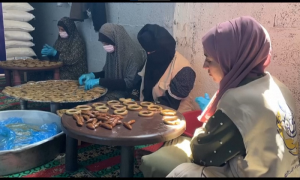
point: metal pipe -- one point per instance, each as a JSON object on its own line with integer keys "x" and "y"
{"x": 71, "y": 154}
{"x": 23, "y": 104}
{"x": 53, "y": 107}
{"x": 127, "y": 161}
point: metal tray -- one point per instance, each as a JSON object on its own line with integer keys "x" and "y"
{"x": 33, "y": 155}
{"x": 52, "y": 101}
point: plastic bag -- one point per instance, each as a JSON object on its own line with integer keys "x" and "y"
{"x": 14, "y": 133}
{"x": 7, "y": 138}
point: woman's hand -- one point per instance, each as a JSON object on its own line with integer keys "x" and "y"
{"x": 89, "y": 84}
{"x": 203, "y": 101}
{"x": 85, "y": 77}
{"x": 48, "y": 51}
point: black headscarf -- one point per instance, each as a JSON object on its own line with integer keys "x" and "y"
{"x": 105, "y": 39}
{"x": 153, "y": 37}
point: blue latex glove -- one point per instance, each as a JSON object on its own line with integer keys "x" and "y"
{"x": 85, "y": 77}
{"x": 48, "y": 51}
{"x": 203, "y": 101}
{"x": 89, "y": 84}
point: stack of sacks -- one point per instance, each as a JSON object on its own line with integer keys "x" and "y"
{"x": 18, "y": 41}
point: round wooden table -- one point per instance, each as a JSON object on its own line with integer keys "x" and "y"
{"x": 146, "y": 130}
{"x": 54, "y": 105}
{"x": 16, "y": 72}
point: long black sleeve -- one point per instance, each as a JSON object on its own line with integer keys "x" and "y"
{"x": 134, "y": 92}
{"x": 218, "y": 142}
{"x": 100, "y": 74}
{"x": 169, "y": 101}
{"x": 113, "y": 84}
{"x": 54, "y": 58}
{"x": 180, "y": 87}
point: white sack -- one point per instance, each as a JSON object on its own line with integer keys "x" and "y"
{"x": 10, "y": 25}
{"x": 17, "y": 6}
{"x": 19, "y": 52}
{"x": 18, "y": 44}
{"x": 17, "y": 15}
{"x": 17, "y": 36}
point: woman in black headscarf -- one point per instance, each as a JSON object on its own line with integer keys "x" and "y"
{"x": 167, "y": 77}
{"x": 69, "y": 49}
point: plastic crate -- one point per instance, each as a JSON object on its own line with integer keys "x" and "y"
{"x": 192, "y": 122}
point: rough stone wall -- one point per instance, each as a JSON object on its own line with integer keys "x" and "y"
{"x": 193, "y": 20}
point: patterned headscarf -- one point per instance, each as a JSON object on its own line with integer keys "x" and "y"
{"x": 242, "y": 47}
{"x": 72, "y": 51}
{"x": 127, "y": 53}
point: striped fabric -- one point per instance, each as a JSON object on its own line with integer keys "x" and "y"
{"x": 94, "y": 160}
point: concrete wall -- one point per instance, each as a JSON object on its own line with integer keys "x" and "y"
{"x": 133, "y": 16}
{"x": 193, "y": 20}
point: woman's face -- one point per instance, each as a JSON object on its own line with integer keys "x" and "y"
{"x": 61, "y": 29}
{"x": 213, "y": 68}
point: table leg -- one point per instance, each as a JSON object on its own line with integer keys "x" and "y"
{"x": 23, "y": 104}
{"x": 25, "y": 76}
{"x": 54, "y": 107}
{"x": 17, "y": 77}
{"x": 127, "y": 161}
{"x": 7, "y": 77}
{"x": 71, "y": 154}
{"x": 56, "y": 74}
